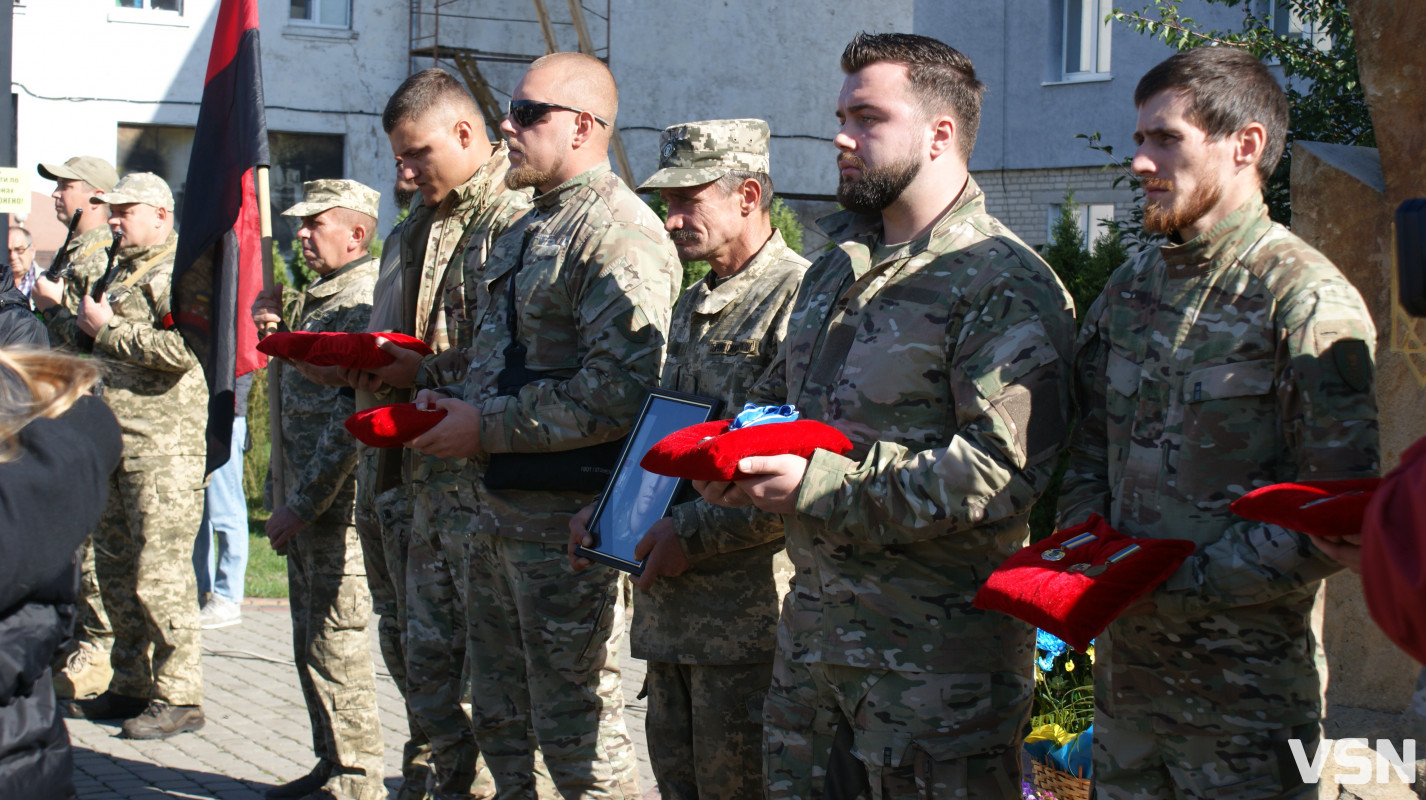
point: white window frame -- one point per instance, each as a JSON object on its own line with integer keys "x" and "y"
{"x": 316, "y": 6}
{"x": 1091, "y": 34}
{"x": 1093, "y": 220}
{"x": 1286, "y": 22}
{"x": 148, "y": 15}
{"x": 147, "y": 8}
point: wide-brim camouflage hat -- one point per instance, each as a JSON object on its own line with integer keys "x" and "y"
{"x": 696, "y": 153}
{"x": 92, "y": 170}
{"x": 139, "y": 187}
{"x": 321, "y": 195}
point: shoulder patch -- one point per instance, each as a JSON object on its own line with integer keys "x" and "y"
{"x": 1354, "y": 362}
{"x": 634, "y": 325}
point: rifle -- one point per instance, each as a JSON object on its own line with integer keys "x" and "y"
{"x": 102, "y": 285}
{"x": 57, "y": 270}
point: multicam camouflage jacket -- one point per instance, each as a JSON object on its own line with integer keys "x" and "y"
{"x": 1205, "y": 370}
{"x": 724, "y": 609}
{"x": 596, "y": 281}
{"x": 319, "y": 456}
{"x": 946, "y": 366}
{"x": 152, "y": 379}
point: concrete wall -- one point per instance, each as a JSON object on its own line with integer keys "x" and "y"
{"x": 113, "y": 65}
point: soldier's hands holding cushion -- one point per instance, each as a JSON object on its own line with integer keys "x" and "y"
{"x": 456, "y": 436}
{"x": 93, "y": 316}
{"x": 664, "y": 551}
{"x": 774, "y": 482}
{"x": 47, "y": 293}
{"x": 1346, "y": 550}
{"x": 579, "y": 535}
{"x": 401, "y": 372}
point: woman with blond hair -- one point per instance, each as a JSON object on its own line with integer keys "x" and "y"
{"x": 58, "y": 444}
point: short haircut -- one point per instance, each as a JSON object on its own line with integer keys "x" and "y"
{"x": 350, "y": 218}
{"x": 734, "y": 178}
{"x": 424, "y": 92}
{"x": 1227, "y": 88}
{"x": 586, "y": 82}
{"x": 942, "y": 78}
{"x": 29, "y": 240}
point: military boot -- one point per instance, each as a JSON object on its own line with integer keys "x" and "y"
{"x": 161, "y": 720}
{"x": 304, "y": 785}
{"x": 86, "y": 673}
{"x": 109, "y": 705}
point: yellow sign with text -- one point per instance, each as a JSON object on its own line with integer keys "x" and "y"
{"x": 14, "y": 191}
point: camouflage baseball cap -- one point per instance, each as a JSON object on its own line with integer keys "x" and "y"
{"x": 92, "y": 170}
{"x": 139, "y": 187}
{"x": 318, "y": 196}
{"x": 696, "y": 153}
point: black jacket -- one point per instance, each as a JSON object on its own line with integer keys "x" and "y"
{"x": 70, "y": 456}
{"x": 18, "y": 324}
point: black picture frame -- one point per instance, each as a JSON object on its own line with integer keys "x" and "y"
{"x": 635, "y": 498}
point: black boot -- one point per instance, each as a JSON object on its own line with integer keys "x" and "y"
{"x": 109, "y": 705}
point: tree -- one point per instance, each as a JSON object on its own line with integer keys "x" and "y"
{"x": 1318, "y": 61}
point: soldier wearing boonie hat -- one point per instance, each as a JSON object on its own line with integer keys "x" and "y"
{"x": 320, "y": 195}
{"x": 695, "y": 153}
{"x": 92, "y": 170}
{"x": 139, "y": 187}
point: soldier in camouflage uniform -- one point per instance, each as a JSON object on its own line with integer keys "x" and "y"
{"x": 326, "y": 575}
{"x": 144, "y": 542}
{"x": 594, "y": 277}
{"x": 1234, "y": 357}
{"x": 938, "y": 342}
{"x": 714, "y": 577}
{"x": 86, "y": 670}
{"x": 465, "y": 204}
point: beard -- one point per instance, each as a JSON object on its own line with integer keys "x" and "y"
{"x": 1167, "y": 220}
{"x": 402, "y": 197}
{"x": 876, "y": 187}
{"x": 528, "y": 175}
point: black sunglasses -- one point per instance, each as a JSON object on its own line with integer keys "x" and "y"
{"x": 527, "y": 112}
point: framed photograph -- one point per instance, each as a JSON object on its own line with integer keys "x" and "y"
{"x": 634, "y": 499}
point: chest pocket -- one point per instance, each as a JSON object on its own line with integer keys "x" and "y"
{"x": 1123, "y": 377}
{"x": 544, "y": 326}
{"x": 1230, "y": 430}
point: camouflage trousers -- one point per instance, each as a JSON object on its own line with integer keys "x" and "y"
{"x": 1133, "y": 762}
{"x": 704, "y": 729}
{"x": 918, "y": 735}
{"x": 94, "y": 627}
{"x": 437, "y": 674}
{"x": 544, "y": 653}
{"x": 384, "y": 527}
{"x": 143, "y": 560}
{"x": 330, "y": 607}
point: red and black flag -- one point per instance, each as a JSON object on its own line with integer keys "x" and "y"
{"x": 217, "y": 272}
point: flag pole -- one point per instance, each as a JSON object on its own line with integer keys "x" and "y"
{"x": 274, "y": 366}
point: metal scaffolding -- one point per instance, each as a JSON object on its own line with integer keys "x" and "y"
{"x": 460, "y": 35}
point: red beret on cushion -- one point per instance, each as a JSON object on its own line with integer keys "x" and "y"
{"x": 1076, "y": 582}
{"x": 393, "y": 425}
{"x": 349, "y": 350}
{"x": 1394, "y": 553}
{"x": 1321, "y": 508}
{"x": 710, "y": 452}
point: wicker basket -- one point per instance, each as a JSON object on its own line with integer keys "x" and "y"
{"x": 1061, "y": 784}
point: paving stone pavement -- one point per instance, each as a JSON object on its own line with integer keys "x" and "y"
{"x": 257, "y": 732}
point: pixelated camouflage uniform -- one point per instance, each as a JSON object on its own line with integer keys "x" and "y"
{"x": 330, "y": 602}
{"x": 709, "y": 634}
{"x": 144, "y": 542}
{"x": 599, "y": 277}
{"x": 1205, "y": 370}
{"x": 87, "y": 257}
{"x": 945, "y": 365}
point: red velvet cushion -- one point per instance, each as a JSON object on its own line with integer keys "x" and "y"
{"x": 1070, "y": 596}
{"x": 393, "y": 425}
{"x": 710, "y": 452}
{"x": 349, "y": 350}
{"x": 1321, "y": 508}
{"x": 1394, "y": 553}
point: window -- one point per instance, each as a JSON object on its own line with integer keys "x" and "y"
{"x": 296, "y": 157}
{"x": 327, "y": 13}
{"x": 1093, "y": 221}
{"x": 1084, "y": 39}
{"x": 1286, "y": 21}
{"x": 175, "y": 6}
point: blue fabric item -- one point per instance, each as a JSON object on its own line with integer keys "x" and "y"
{"x": 1049, "y": 647}
{"x": 225, "y": 512}
{"x": 1073, "y": 757}
{"x": 754, "y": 414}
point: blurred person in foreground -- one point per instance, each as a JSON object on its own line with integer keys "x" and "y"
{"x": 56, "y": 441}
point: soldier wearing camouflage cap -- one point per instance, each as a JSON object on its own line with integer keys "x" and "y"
{"x": 706, "y": 621}
{"x": 1232, "y": 357}
{"x": 938, "y": 342}
{"x": 144, "y": 543}
{"x": 326, "y": 567}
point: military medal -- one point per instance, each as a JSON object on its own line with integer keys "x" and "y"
{"x": 1058, "y": 553}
